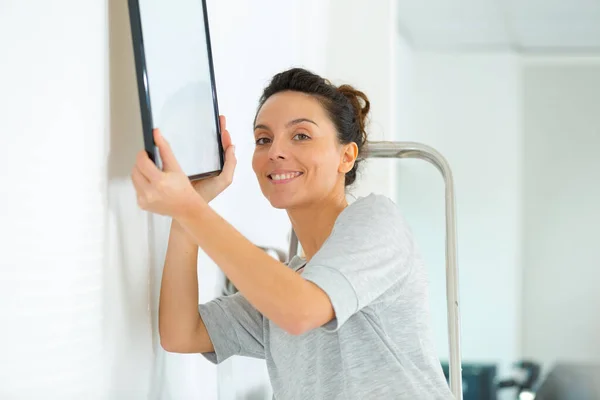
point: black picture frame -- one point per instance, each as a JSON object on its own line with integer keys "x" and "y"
{"x": 144, "y": 89}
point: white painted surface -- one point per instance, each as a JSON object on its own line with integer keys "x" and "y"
{"x": 501, "y": 25}
{"x": 366, "y": 56}
{"x": 83, "y": 261}
{"x": 520, "y": 134}
{"x": 561, "y": 263}
{"x": 466, "y": 107}
{"x": 52, "y": 203}
{"x": 130, "y": 272}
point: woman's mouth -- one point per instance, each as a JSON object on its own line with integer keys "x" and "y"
{"x": 283, "y": 178}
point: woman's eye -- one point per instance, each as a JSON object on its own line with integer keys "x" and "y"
{"x": 260, "y": 141}
{"x": 302, "y": 136}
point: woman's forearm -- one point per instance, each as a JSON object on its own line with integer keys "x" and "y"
{"x": 178, "y": 304}
{"x": 276, "y": 291}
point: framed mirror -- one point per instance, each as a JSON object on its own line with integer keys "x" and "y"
{"x": 176, "y": 82}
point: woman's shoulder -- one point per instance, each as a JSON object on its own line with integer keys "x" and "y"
{"x": 375, "y": 208}
{"x": 374, "y": 218}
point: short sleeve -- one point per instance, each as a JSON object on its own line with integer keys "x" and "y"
{"x": 235, "y": 327}
{"x": 368, "y": 251}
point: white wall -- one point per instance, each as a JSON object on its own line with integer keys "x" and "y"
{"x": 52, "y": 206}
{"x": 521, "y": 134}
{"x": 83, "y": 262}
{"x": 363, "y": 50}
{"x": 561, "y": 192}
{"x": 466, "y": 107}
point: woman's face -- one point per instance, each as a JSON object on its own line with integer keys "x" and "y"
{"x": 298, "y": 159}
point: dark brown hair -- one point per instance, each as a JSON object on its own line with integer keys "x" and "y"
{"x": 347, "y": 107}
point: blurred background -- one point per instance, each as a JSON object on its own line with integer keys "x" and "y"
{"x": 508, "y": 91}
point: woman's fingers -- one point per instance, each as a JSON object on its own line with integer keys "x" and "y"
{"x": 139, "y": 180}
{"x": 229, "y": 166}
{"x": 230, "y": 159}
{"x": 146, "y": 167}
{"x": 170, "y": 163}
{"x": 225, "y": 139}
{"x": 141, "y": 184}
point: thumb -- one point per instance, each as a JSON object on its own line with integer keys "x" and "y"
{"x": 166, "y": 153}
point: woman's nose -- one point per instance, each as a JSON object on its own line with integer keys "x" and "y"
{"x": 277, "y": 150}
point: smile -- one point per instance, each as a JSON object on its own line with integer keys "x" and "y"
{"x": 284, "y": 178}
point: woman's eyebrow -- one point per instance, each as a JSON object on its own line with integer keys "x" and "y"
{"x": 292, "y": 122}
{"x": 299, "y": 120}
{"x": 261, "y": 126}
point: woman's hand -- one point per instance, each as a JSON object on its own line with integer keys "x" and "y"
{"x": 167, "y": 192}
{"x": 210, "y": 188}
{"x": 170, "y": 192}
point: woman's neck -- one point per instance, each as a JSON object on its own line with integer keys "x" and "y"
{"x": 314, "y": 224}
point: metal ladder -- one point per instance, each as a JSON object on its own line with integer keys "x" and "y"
{"x": 421, "y": 151}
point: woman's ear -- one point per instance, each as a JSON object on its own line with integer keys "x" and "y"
{"x": 349, "y": 154}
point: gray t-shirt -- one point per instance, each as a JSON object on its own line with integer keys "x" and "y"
{"x": 379, "y": 345}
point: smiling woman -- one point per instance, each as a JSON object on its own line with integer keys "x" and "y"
{"x": 308, "y": 134}
{"x": 348, "y": 319}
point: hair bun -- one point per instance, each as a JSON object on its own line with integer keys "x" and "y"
{"x": 361, "y": 105}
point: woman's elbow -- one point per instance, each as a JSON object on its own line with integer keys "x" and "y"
{"x": 296, "y": 328}
{"x": 311, "y": 316}
{"x": 173, "y": 342}
{"x": 175, "y": 345}
{"x": 301, "y": 323}
{"x": 170, "y": 345}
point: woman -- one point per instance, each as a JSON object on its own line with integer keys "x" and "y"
{"x": 347, "y": 320}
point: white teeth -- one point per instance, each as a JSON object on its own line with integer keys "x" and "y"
{"x": 279, "y": 177}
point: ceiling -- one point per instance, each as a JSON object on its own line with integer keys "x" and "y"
{"x": 535, "y": 26}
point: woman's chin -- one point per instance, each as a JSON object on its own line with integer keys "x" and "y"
{"x": 282, "y": 200}
{"x": 280, "y": 203}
